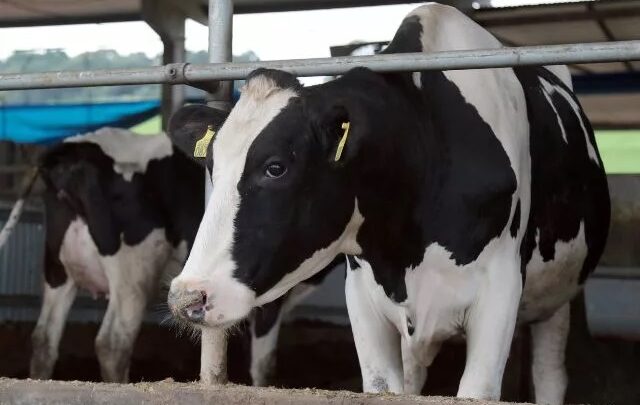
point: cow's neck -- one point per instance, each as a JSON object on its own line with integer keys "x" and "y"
{"x": 392, "y": 169}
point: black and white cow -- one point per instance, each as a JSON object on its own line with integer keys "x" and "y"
{"x": 469, "y": 200}
{"x": 121, "y": 214}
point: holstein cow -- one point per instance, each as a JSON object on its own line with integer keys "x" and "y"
{"x": 470, "y": 200}
{"x": 121, "y": 212}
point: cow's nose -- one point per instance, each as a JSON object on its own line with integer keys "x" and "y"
{"x": 189, "y": 305}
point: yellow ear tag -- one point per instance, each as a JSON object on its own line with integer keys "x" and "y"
{"x": 200, "y": 149}
{"x": 343, "y": 140}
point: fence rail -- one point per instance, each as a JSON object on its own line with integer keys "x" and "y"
{"x": 184, "y": 73}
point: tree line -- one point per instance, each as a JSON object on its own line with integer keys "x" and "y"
{"x": 57, "y": 59}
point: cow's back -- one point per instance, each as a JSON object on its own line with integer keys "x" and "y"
{"x": 569, "y": 215}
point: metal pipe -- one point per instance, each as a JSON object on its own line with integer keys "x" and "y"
{"x": 408, "y": 62}
{"x": 220, "y": 34}
{"x": 213, "y": 342}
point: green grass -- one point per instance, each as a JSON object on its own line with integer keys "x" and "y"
{"x": 151, "y": 126}
{"x": 620, "y": 149}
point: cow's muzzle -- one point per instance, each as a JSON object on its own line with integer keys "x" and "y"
{"x": 189, "y": 305}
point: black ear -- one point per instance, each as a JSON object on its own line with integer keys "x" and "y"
{"x": 193, "y": 128}
{"x": 340, "y": 125}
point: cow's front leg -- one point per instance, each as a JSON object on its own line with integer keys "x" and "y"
{"x": 265, "y": 328}
{"x": 377, "y": 340}
{"x": 548, "y": 343}
{"x": 489, "y": 327}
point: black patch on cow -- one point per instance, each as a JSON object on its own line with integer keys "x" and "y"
{"x": 168, "y": 195}
{"x": 265, "y": 317}
{"x": 567, "y": 187}
{"x": 410, "y": 327}
{"x": 281, "y": 79}
{"x": 353, "y": 263}
{"x": 57, "y": 218}
{"x": 515, "y": 222}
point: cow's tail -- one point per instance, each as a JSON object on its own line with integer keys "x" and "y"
{"x": 28, "y": 182}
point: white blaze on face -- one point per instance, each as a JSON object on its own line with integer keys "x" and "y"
{"x": 210, "y": 266}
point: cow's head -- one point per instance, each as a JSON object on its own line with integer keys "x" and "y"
{"x": 283, "y": 203}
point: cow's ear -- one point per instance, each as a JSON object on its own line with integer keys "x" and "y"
{"x": 193, "y": 128}
{"x": 341, "y": 126}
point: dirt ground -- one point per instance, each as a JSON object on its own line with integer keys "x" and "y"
{"x": 323, "y": 356}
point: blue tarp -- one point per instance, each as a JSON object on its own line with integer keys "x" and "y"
{"x": 51, "y": 123}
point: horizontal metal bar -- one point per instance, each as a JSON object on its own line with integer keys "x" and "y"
{"x": 407, "y": 62}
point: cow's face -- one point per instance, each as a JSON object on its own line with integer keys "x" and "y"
{"x": 281, "y": 207}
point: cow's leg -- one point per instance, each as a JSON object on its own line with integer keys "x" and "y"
{"x": 415, "y": 374}
{"x": 377, "y": 340}
{"x": 128, "y": 295}
{"x": 265, "y": 328}
{"x": 548, "y": 344}
{"x": 46, "y": 336}
{"x": 489, "y": 327}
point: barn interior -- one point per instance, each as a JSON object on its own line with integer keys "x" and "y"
{"x": 316, "y": 347}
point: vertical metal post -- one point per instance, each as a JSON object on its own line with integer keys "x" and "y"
{"x": 168, "y": 21}
{"x": 213, "y": 356}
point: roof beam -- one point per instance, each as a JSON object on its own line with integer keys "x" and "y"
{"x": 490, "y": 21}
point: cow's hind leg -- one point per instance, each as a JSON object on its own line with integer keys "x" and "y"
{"x": 548, "y": 344}
{"x": 121, "y": 324}
{"x": 490, "y": 323}
{"x": 377, "y": 340}
{"x": 46, "y": 336}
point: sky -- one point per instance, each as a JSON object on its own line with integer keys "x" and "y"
{"x": 298, "y": 34}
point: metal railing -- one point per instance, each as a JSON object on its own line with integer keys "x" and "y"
{"x": 184, "y": 73}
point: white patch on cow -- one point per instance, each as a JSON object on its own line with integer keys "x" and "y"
{"x": 550, "y": 284}
{"x": 81, "y": 259}
{"x": 130, "y": 152}
{"x": 345, "y": 243}
{"x": 375, "y": 321}
{"x": 576, "y": 110}
{"x": 210, "y": 266}
{"x": 547, "y": 90}
{"x": 417, "y": 79}
{"x": 563, "y": 73}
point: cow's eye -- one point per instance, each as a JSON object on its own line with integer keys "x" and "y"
{"x": 275, "y": 170}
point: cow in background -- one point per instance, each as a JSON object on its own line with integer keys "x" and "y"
{"x": 121, "y": 213}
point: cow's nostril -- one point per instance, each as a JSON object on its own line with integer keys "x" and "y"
{"x": 190, "y": 305}
{"x": 196, "y": 310}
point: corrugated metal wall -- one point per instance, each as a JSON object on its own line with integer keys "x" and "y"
{"x": 20, "y": 268}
